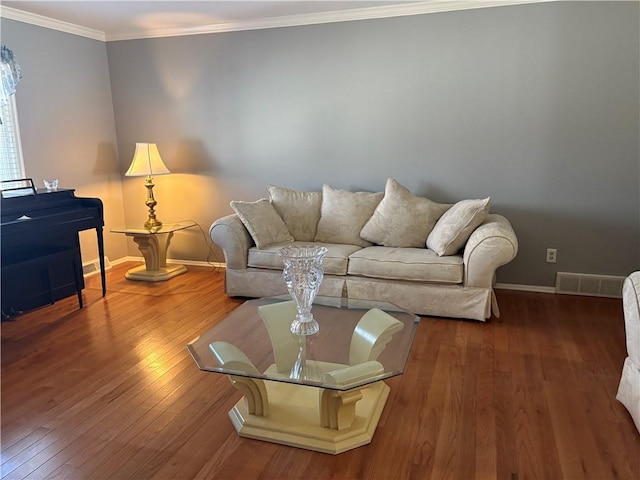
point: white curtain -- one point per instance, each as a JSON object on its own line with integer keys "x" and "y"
{"x": 9, "y": 74}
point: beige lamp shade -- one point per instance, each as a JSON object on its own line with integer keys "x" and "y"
{"x": 146, "y": 162}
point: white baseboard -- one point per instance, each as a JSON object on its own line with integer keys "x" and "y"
{"x": 127, "y": 259}
{"x": 197, "y": 263}
{"x": 525, "y": 288}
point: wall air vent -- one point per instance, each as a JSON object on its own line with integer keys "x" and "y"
{"x": 89, "y": 268}
{"x": 587, "y": 284}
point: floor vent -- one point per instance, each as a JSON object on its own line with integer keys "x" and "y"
{"x": 586, "y": 284}
{"x": 89, "y": 268}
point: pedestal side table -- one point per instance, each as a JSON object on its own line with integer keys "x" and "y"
{"x": 153, "y": 244}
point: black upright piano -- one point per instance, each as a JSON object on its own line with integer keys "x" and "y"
{"x": 40, "y": 247}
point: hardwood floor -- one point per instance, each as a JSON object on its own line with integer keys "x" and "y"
{"x": 110, "y": 392}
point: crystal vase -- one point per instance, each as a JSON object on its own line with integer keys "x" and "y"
{"x": 303, "y": 275}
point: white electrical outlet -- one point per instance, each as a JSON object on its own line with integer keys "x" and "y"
{"x": 551, "y": 255}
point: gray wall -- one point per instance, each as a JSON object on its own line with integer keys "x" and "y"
{"x": 65, "y": 113}
{"x": 534, "y": 105}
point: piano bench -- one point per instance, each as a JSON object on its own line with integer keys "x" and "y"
{"x": 39, "y": 276}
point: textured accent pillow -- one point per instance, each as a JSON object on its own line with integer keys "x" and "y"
{"x": 343, "y": 214}
{"x": 402, "y": 219}
{"x": 265, "y": 226}
{"x": 456, "y": 226}
{"x": 299, "y": 210}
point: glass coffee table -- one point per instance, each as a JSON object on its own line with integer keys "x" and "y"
{"x": 323, "y": 392}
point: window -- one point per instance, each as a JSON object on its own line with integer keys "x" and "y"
{"x": 11, "y": 164}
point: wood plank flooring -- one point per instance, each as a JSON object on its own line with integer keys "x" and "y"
{"x": 110, "y": 392}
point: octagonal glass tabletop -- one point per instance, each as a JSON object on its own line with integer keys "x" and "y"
{"x": 359, "y": 342}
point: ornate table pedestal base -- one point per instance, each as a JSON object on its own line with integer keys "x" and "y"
{"x": 295, "y": 415}
{"x": 163, "y": 273}
{"x": 154, "y": 250}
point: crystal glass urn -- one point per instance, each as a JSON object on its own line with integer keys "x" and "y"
{"x": 303, "y": 275}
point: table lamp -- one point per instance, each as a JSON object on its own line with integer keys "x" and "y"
{"x": 147, "y": 162}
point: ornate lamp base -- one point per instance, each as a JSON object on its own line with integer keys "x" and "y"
{"x": 153, "y": 224}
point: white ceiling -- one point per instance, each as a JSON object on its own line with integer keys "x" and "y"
{"x": 126, "y": 19}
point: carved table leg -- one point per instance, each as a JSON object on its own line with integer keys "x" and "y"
{"x": 254, "y": 392}
{"x": 338, "y": 408}
{"x": 154, "y": 249}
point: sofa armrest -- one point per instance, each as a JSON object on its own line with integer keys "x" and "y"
{"x": 490, "y": 246}
{"x": 233, "y": 238}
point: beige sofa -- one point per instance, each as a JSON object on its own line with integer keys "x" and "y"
{"x": 425, "y": 257}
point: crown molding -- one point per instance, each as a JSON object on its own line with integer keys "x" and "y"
{"x": 384, "y": 11}
{"x": 41, "y": 21}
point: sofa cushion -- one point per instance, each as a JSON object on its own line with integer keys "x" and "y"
{"x": 343, "y": 214}
{"x": 299, "y": 210}
{"x": 334, "y": 262}
{"x": 455, "y": 226}
{"x": 402, "y": 219}
{"x": 415, "y": 264}
{"x": 262, "y": 221}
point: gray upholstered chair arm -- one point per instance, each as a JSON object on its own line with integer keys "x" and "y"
{"x": 233, "y": 238}
{"x": 491, "y": 245}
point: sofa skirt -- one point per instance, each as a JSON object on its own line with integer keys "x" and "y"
{"x": 260, "y": 282}
{"x": 424, "y": 299}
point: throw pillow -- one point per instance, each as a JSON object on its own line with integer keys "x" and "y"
{"x": 343, "y": 214}
{"x": 299, "y": 210}
{"x": 402, "y": 219}
{"x": 262, "y": 221}
{"x": 456, "y": 225}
